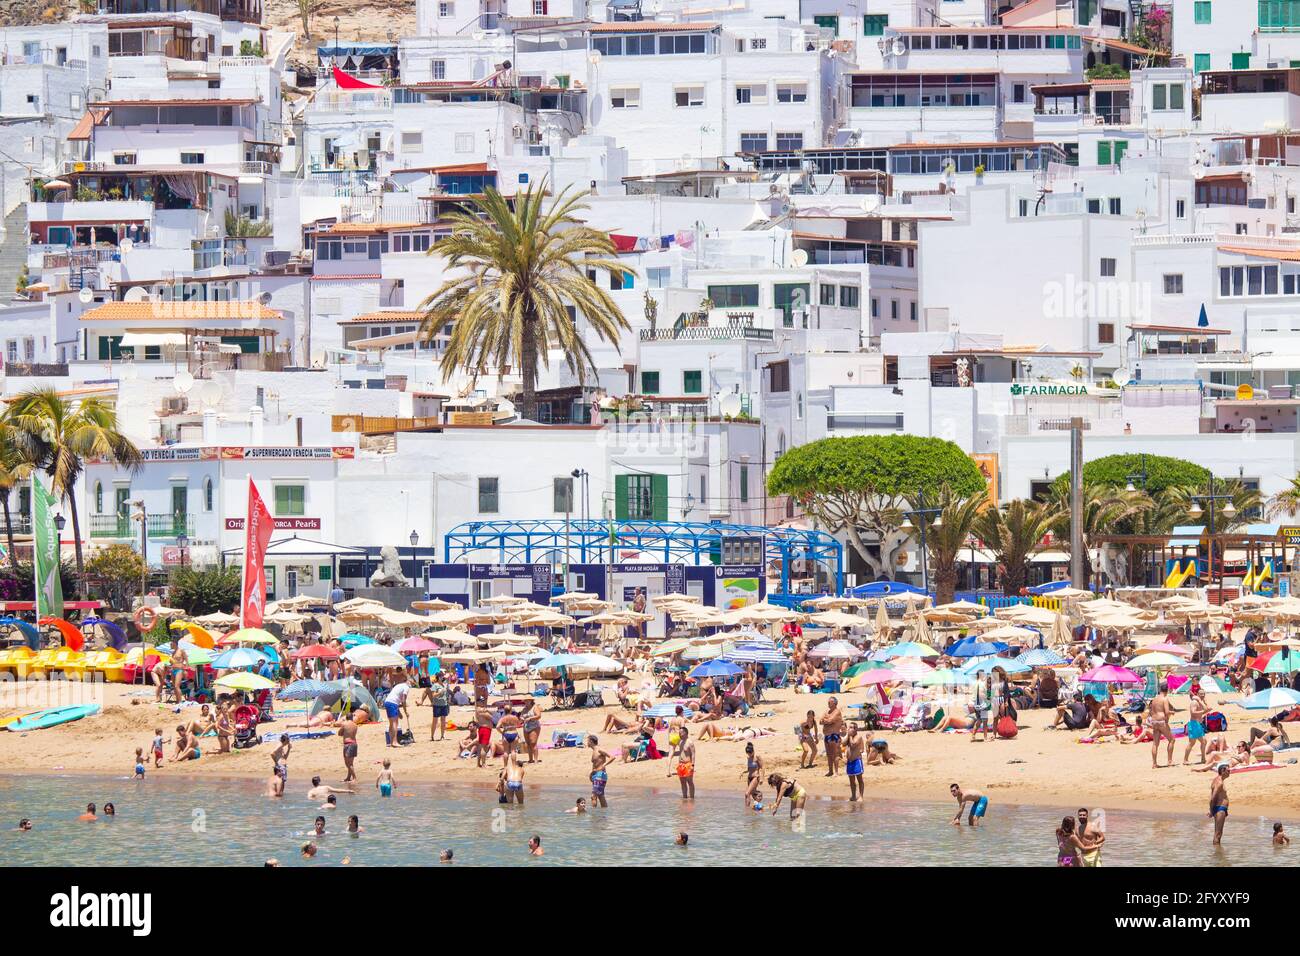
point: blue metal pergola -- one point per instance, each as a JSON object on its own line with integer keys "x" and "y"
{"x": 673, "y": 542}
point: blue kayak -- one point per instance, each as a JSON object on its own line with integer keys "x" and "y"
{"x": 52, "y": 717}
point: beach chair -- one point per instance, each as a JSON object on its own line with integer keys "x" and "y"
{"x": 890, "y": 719}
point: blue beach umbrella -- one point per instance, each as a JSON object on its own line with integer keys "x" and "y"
{"x": 350, "y": 641}
{"x": 1270, "y": 698}
{"x": 305, "y": 690}
{"x": 986, "y": 665}
{"x": 714, "y": 669}
{"x": 1203, "y": 321}
{"x": 239, "y": 657}
{"x": 974, "y": 648}
{"x": 905, "y": 649}
{"x": 1041, "y": 657}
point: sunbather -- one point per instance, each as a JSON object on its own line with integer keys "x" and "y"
{"x": 953, "y": 722}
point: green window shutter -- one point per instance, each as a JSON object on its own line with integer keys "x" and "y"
{"x": 1241, "y": 61}
{"x": 830, "y": 22}
{"x": 1175, "y": 96}
{"x": 744, "y": 484}
{"x": 1103, "y": 152}
{"x": 1201, "y": 62}
{"x": 1158, "y": 96}
{"x": 1203, "y": 12}
{"x": 659, "y": 497}
{"x": 692, "y": 383}
{"x": 874, "y": 24}
{"x": 1121, "y": 147}
{"x": 620, "y": 496}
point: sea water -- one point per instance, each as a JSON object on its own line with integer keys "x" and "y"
{"x": 225, "y": 822}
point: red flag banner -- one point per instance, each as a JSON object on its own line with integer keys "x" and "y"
{"x": 258, "y": 527}
{"x": 345, "y": 81}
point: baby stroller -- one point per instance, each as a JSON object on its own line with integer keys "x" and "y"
{"x": 246, "y": 716}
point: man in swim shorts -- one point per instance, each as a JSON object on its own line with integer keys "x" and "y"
{"x": 853, "y": 746}
{"x": 1219, "y": 801}
{"x": 600, "y": 760}
{"x": 483, "y": 728}
{"x": 514, "y": 772}
{"x": 1196, "y": 723}
{"x": 1158, "y": 715}
{"x": 832, "y": 734}
{"x": 978, "y": 801}
{"x": 348, "y": 733}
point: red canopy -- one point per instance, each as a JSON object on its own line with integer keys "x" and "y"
{"x": 346, "y": 82}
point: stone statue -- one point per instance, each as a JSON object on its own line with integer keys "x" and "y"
{"x": 389, "y": 573}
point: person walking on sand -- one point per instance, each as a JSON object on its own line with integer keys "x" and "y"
{"x": 599, "y": 774}
{"x": 1158, "y": 716}
{"x": 978, "y": 801}
{"x": 348, "y": 734}
{"x": 395, "y": 708}
{"x": 1196, "y": 723}
{"x": 1219, "y": 801}
{"x": 439, "y": 697}
{"x": 832, "y": 734}
{"x": 686, "y": 767}
{"x": 854, "y": 744}
{"x": 808, "y": 742}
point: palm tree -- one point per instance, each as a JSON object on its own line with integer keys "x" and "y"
{"x": 1103, "y": 508}
{"x": 1247, "y": 504}
{"x": 947, "y": 536}
{"x": 14, "y": 470}
{"x": 1286, "y": 502}
{"x": 523, "y": 268}
{"x": 58, "y": 436}
{"x": 1014, "y": 533}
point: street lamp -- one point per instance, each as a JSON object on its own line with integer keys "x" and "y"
{"x": 1140, "y": 476}
{"x": 60, "y": 522}
{"x": 336, "y": 39}
{"x": 917, "y": 517}
{"x": 581, "y": 473}
{"x": 182, "y": 542}
{"x": 1211, "y": 501}
{"x": 415, "y": 538}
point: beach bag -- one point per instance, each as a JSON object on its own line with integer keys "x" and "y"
{"x": 1007, "y": 728}
{"x": 1215, "y": 722}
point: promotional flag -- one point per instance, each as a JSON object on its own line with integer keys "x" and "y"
{"x": 257, "y": 527}
{"x": 46, "y": 553}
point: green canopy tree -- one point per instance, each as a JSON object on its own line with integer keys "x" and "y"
{"x": 861, "y": 485}
{"x": 119, "y": 569}
{"x": 1162, "y": 472}
{"x": 205, "y": 590}
{"x": 1014, "y": 533}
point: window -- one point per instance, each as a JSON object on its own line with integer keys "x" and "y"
{"x": 191, "y": 159}
{"x": 753, "y": 142}
{"x": 792, "y": 92}
{"x": 124, "y": 159}
{"x": 412, "y": 141}
{"x": 562, "y": 494}
{"x": 446, "y": 10}
{"x": 734, "y": 296}
{"x": 1167, "y": 96}
{"x": 688, "y": 96}
{"x": 831, "y": 23}
{"x": 1106, "y": 333}
{"x": 893, "y": 308}
{"x": 464, "y": 142}
{"x": 624, "y": 97}
{"x": 693, "y": 382}
{"x": 1110, "y": 152}
{"x": 1174, "y": 284}
{"x": 875, "y": 307}
{"x": 658, "y": 278}
{"x": 849, "y": 297}
{"x": 1017, "y": 92}
{"x": 649, "y": 383}
{"x": 1201, "y": 11}
{"x": 207, "y": 494}
{"x": 678, "y": 43}
{"x": 752, "y": 94}
{"x": 744, "y": 484}
{"x": 489, "y": 496}
{"x": 1236, "y": 281}
{"x": 789, "y": 141}
{"x": 1180, "y": 209}
{"x": 780, "y": 377}
{"x": 1108, "y": 268}
{"x": 911, "y": 308}
{"x": 1201, "y": 62}
{"x": 641, "y": 497}
{"x": 1114, "y": 206}
{"x": 291, "y": 500}
{"x": 826, "y": 294}
{"x": 122, "y": 500}
{"x": 99, "y": 497}
{"x": 1241, "y": 61}
{"x": 873, "y": 25}
{"x": 438, "y": 69}
{"x": 539, "y": 8}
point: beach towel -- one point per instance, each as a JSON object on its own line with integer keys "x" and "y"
{"x": 296, "y": 735}
{"x": 1256, "y": 766}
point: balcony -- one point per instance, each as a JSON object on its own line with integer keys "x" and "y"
{"x": 123, "y": 526}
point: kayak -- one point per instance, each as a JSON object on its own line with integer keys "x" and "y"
{"x": 52, "y": 717}
{"x": 6, "y": 721}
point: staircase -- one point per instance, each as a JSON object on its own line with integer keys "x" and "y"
{"x": 13, "y": 250}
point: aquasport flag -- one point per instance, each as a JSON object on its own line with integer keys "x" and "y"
{"x": 258, "y": 528}
{"x": 46, "y": 553}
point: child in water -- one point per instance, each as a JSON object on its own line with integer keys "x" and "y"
{"x": 386, "y": 780}
{"x": 139, "y": 763}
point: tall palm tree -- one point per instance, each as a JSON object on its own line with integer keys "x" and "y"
{"x": 522, "y": 268}
{"x": 1014, "y": 533}
{"x": 1285, "y": 503}
{"x": 1247, "y": 504}
{"x": 58, "y": 435}
{"x": 15, "y": 468}
{"x": 947, "y": 536}
{"x": 1103, "y": 508}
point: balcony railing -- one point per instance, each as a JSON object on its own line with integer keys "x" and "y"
{"x": 123, "y": 526}
{"x": 706, "y": 333}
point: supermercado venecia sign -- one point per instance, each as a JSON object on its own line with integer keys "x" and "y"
{"x": 1031, "y": 391}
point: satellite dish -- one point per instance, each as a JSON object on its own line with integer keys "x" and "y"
{"x": 126, "y": 245}
{"x": 800, "y": 257}
{"x": 1121, "y": 376}
{"x": 900, "y": 48}
{"x": 86, "y": 295}
{"x": 264, "y": 298}
{"x": 183, "y": 381}
{"x": 136, "y": 293}
{"x": 210, "y": 393}
{"x": 730, "y": 404}
{"x": 562, "y": 43}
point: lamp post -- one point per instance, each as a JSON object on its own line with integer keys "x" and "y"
{"x": 142, "y": 515}
{"x": 60, "y": 523}
{"x": 1140, "y": 477}
{"x": 336, "y": 39}
{"x": 918, "y": 518}
{"x": 183, "y": 543}
{"x": 1211, "y": 501}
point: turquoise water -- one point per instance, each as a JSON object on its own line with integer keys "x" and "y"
{"x": 229, "y": 822}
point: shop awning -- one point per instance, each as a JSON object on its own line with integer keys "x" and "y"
{"x": 140, "y": 339}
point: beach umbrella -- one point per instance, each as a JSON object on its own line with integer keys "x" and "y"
{"x": 910, "y": 668}
{"x": 882, "y": 618}
{"x": 304, "y": 690}
{"x": 1009, "y": 632}
{"x": 373, "y": 655}
{"x": 1039, "y": 657}
{"x": 985, "y": 665}
{"x": 353, "y": 604}
{"x": 1155, "y": 659}
{"x": 714, "y": 669}
{"x": 434, "y": 604}
{"x": 1110, "y": 674}
{"x": 198, "y": 634}
{"x": 702, "y": 652}
{"x": 1270, "y": 698}
{"x": 881, "y": 675}
{"x": 665, "y": 709}
{"x": 853, "y": 670}
{"x": 755, "y": 655}
{"x": 416, "y": 645}
{"x": 316, "y": 650}
{"x": 670, "y": 647}
{"x": 839, "y": 619}
{"x": 1165, "y": 647}
{"x": 1209, "y": 682}
{"x": 345, "y": 696}
{"x": 250, "y": 635}
{"x": 352, "y": 640}
{"x": 216, "y": 619}
{"x": 244, "y": 680}
{"x": 835, "y": 649}
{"x": 239, "y": 657}
{"x": 907, "y": 649}
{"x": 943, "y": 678}
{"x": 976, "y": 648}
{"x": 1280, "y": 662}
{"x": 1060, "y": 631}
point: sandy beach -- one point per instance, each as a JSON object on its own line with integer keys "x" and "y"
{"x": 1039, "y": 767}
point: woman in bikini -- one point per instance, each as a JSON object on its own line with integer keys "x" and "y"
{"x": 954, "y": 722}
{"x": 754, "y": 772}
{"x": 225, "y": 727}
{"x": 532, "y": 717}
{"x": 1070, "y": 848}
{"x": 808, "y": 741}
{"x": 788, "y": 790}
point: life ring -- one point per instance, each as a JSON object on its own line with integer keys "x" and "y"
{"x": 143, "y": 614}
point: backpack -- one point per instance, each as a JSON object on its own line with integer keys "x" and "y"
{"x": 1215, "y": 722}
